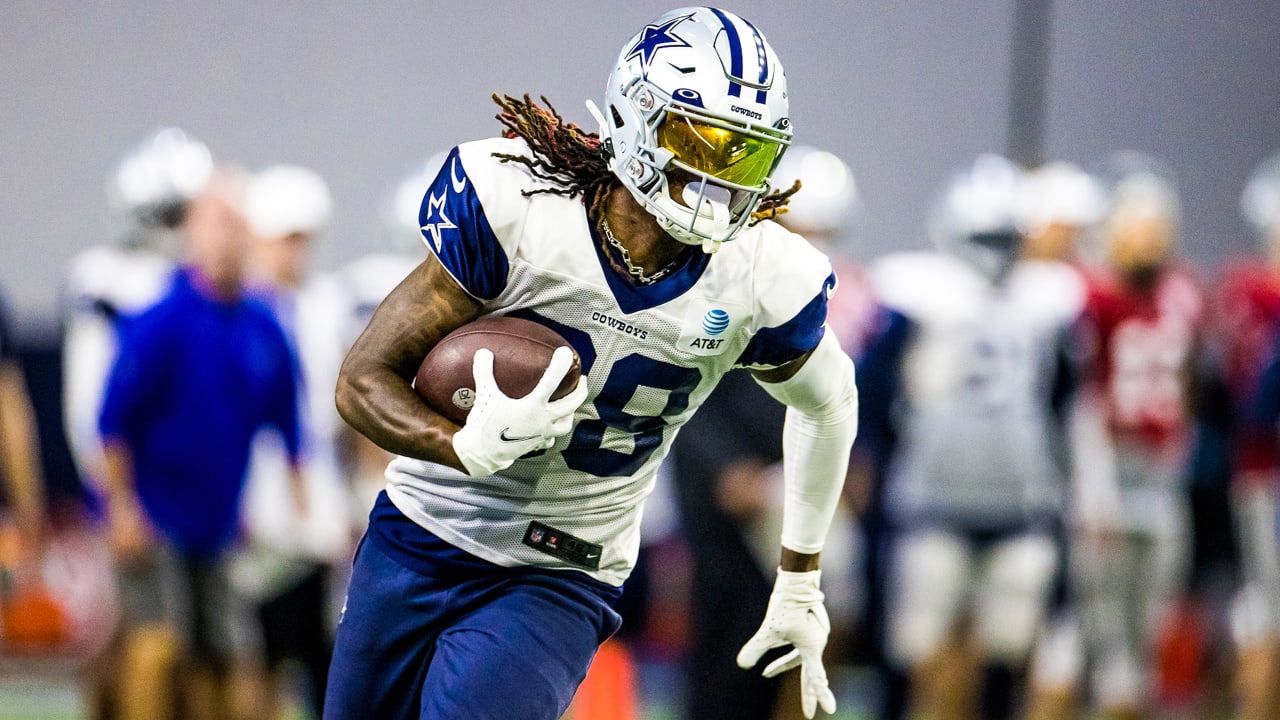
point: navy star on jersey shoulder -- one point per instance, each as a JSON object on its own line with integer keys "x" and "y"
{"x": 456, "y": 229}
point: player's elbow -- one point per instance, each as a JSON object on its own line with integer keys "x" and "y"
{"x": 352, "y": 392}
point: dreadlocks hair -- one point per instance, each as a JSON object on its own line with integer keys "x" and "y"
{"x": 563, "y": 153}
{"x": 573, "y": 160}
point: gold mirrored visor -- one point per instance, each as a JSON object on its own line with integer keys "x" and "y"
{"x": 735, "y": 156}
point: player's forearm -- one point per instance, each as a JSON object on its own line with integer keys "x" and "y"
{"x": 822, "y": 417}
{"x": 374, "y": 394}
{"x": 792, "y": 561}
{"x": 383, "y": 407}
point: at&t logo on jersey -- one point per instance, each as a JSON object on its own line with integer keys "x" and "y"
{"x": 708, "y": 328}
{"x": 715, "y": 321}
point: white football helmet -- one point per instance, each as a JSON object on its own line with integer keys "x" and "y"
{"x": 152, "y": 183}
{"x": 1140, "y": 227}
{"x": 828, "y": 199}
{"x": 1260, "y": 201}
{"x": 699, "y": 91}
{"x": 285, "y": 199}
{"x": 399, "y": 207}
{"x": 980, "y": 214}
{"x": 1061, "y": 192}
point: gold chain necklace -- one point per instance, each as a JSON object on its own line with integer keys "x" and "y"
{"x": 635, "y": 271}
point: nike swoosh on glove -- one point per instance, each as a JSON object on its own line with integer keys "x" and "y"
{"x": 796, "y": 617}
{"x": 500, "y": 429}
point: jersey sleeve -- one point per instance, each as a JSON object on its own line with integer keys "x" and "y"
{"x": 794, "y": 283}
{"x": 472, "y": 215}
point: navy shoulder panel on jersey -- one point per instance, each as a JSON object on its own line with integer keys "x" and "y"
{"x": 774, "y": 346}
{"x": 456, "y": 230}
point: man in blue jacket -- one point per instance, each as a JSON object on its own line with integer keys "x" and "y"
{"x": 197, "y": 376}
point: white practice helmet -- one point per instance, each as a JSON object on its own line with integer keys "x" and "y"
{"x": 1134, "y": 182}
{"x": 1260, "y": 201}
{"x": 287, "y": 199}
{"x": 399, "y": 208}
{"x": 979, "y": 216}
{"x": 828, "y": 198}
{"x": 155, "y": 179}
{"x": 1062, "y": 193}
{"x": 701, "y": 91}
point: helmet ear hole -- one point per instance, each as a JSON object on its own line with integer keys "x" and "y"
{"x": 617, "y": 117}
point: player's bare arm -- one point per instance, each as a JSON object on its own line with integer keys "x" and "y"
{"x": 374, "y": 391}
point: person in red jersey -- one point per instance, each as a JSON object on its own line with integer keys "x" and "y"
{"x": 1247, "y": 317}
{"x": 1131, "y": 434}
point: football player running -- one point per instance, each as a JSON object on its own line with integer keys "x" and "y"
{"x": 964, "y": 420}
{"x": 486, "y": 579}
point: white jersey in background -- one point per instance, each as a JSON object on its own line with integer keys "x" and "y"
{"x": 977, "y": 448}
{"x": 307, "y": 316}
{"x": 650, "y": 355}
{"x": 104, "y": 285}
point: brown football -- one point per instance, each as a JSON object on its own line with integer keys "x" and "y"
{"x": 521, "y": 353}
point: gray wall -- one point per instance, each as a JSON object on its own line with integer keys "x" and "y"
{"x": 363, "y": 91}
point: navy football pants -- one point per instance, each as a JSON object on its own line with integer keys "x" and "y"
{"x": 471, "y": 640}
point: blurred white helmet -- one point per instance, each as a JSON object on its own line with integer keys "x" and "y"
{"x": 979, "y": 215}
{"x": 1064, "y": 194}
{"x": 1134, "y": 182}
{"x": 398, "y": 211}
{"x": 287, "y": 199}
{"x": 1139, "y": 232}
{"x": 154, "y": 180}
{"x": 828, "y": 199}
{"x": 697, "y": 90}
{"x": 1260, "y": 201}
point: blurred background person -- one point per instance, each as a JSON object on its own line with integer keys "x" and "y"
{"x": 106, "y": 284}
{"x": 969, "y": 370}
{"x": 290, "y": 565}
{"x": 1247, "y": 318}
{"x": 1131, "y": 434}
{"x": 727, "y": 482}
{"x": 23, "y": 482}
{"x": 197, "y": 375}
{"x": 1062, "y": 205}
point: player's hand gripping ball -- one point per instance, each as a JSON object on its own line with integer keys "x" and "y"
{"x": 521, "y": 352}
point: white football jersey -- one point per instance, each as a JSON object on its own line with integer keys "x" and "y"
{"x": 102, "y": 284}
{"x": 650, "y": 355}
{"x": 977, "y": 445}
{"x": 307, "y": 316}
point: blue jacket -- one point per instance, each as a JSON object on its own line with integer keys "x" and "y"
{"x": 196, "y": 378}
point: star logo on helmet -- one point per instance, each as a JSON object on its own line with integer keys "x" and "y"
{"x": 655, "y": 37}
{"x": 435, "y": 207}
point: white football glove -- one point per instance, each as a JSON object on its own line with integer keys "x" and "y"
{"x": 500, "y": 429}
{"x": 797, "y": 617}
